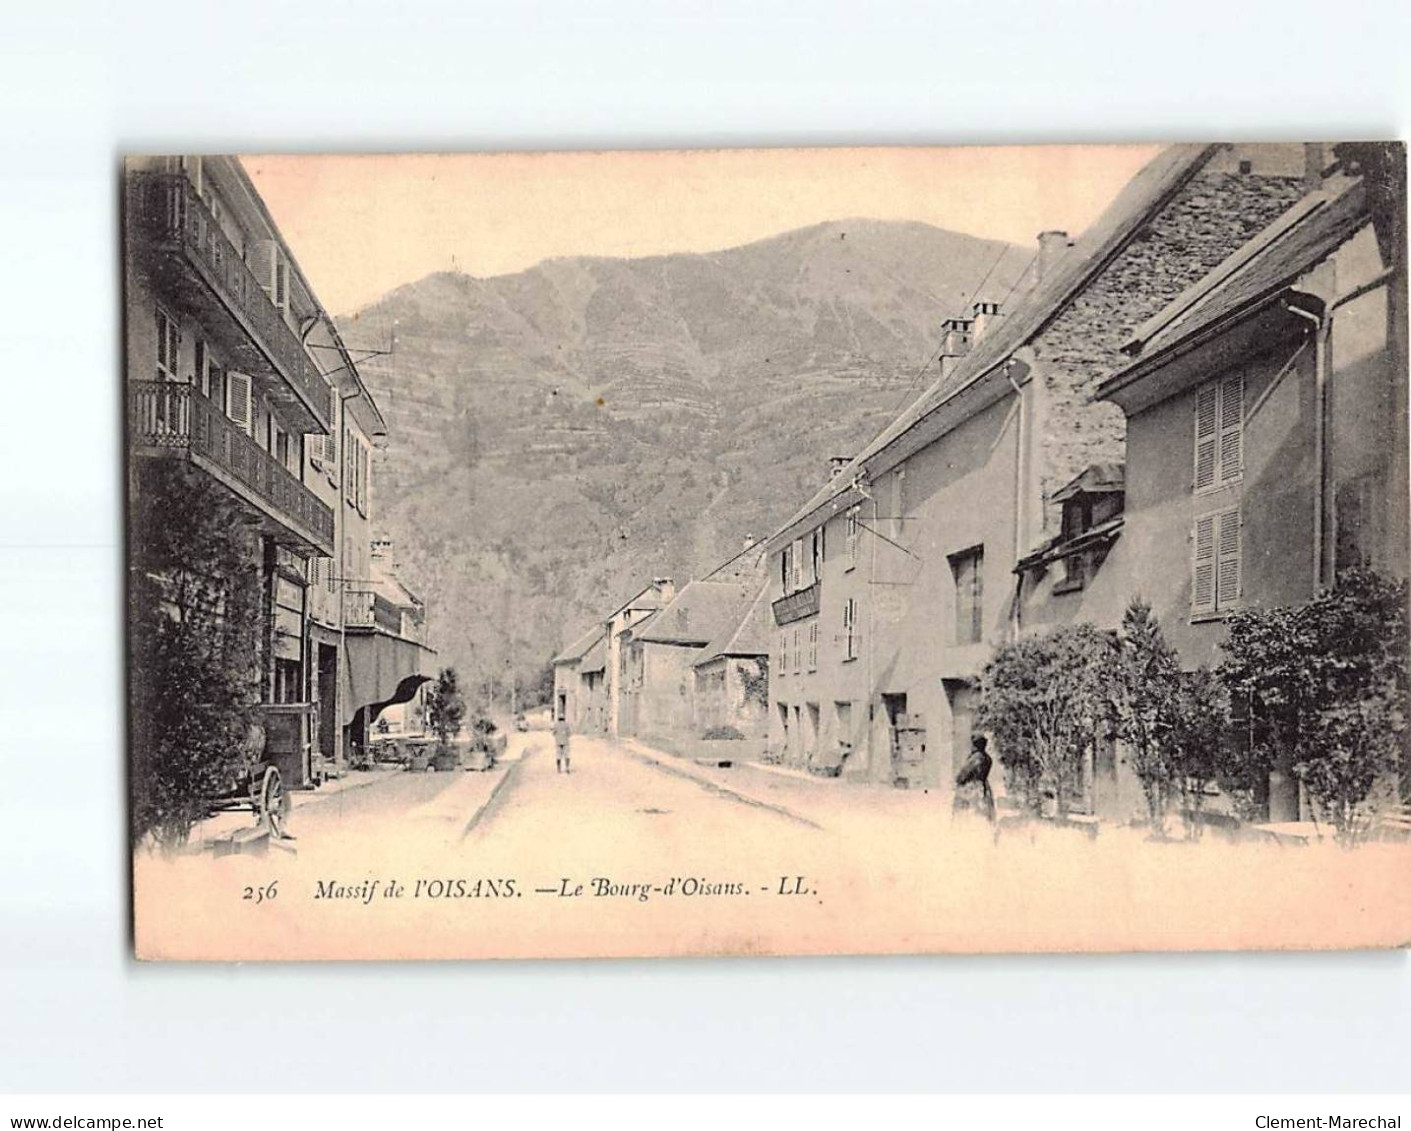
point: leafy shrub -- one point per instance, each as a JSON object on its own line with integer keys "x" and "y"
{"x": 723, "y": 733}
{"x": 195, "y": 623}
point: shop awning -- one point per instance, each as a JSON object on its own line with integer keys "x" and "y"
{"x": 380, "y": 669}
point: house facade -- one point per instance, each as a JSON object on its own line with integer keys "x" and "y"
{"x": 1266, "y": 422}
{"x": 891, "y": 587}
{"x": 731, "y": 676}
{"x": 663, "y": 649}
{"x": 621, "y": 675}
{"x": 233, "y": 370}
{"x": 573, "y": 700}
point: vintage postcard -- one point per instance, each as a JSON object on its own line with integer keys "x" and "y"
{"x": 767, "y": 552}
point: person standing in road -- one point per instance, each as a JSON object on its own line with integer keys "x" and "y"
{"x": 561, "y": 736}
{"x": 972, "y": 782}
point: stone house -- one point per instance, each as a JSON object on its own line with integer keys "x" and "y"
{"x": 732, "y": 675}
{"x": 892, "y": 585}
{"x": 665, "y": 646}
{"x": 1267, "y": 421}
{"x": 572, "y": 700}
{"x": 619, "y": 681}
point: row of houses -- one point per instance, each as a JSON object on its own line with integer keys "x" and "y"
{"x": 236, "y": 373}
{"x": 671, "y": 662}
{"x": 1201, "y": 402}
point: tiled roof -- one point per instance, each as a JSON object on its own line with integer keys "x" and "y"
{"x": 1260, "y": 270}
{"x": 579, "y": 647}
{"x": 699, "y": 613}
{"x": 596, "y": 658}
{"x": 1142, "y": 196}
{"x": 1096, "y": 478}
{"x": 749, "y": 636}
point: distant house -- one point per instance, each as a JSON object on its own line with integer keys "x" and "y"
{"x": 893, "y": 584}
{"x": 570, "y": 702}
{"x": 617, "y": 628}
{"x": 592, "y": 688}
{"x": 664, "y": 647}
{"x": 1267, "y": 422}
{"x": 732, "y": 675}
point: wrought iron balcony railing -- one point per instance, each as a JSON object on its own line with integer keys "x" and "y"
{"x": 368, "y": 609}
{"x": 167, "y": 210}
{"x": 797, "y": 605}
{"x": 167, "y": 417}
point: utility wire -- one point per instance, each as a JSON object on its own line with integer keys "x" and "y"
{"x": 906, "y": 396}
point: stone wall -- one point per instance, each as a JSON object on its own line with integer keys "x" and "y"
{"x": 1212, "y": 216}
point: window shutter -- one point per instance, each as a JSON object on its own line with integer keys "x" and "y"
{"x": 1206, "y": 435}
{"x": 1227, "y": 574}
{"x": 1231, "y": 428}
{"x": 1203, "y": 582}
{"x": 798, "y": 564}
{"x": 239, "y": 399}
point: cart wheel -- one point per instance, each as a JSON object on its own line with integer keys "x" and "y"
{"x": 274, "y": 803}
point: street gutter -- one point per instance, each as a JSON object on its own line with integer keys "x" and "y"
{"x": 510, "y": 771}
{"x": 636, "y": 750}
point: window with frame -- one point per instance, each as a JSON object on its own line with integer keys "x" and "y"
{"x": 850, "y": 634}
{"x": 168, "y": 346}
{"x": 783, "y": 650}
{"x": 1219, "y": 433}
{"x": 798, "y": 652}
{"x": 853, "y": 528}
{"x": 968, "y": 570}
{"x": 813, "y": 645}
{"x": 1216, "y": 580}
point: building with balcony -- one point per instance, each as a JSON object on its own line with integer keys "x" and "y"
{"x": 892, "y": 585}
{"x": 234, "y": 371}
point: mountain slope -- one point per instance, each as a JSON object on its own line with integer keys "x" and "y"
{"x": 561, "y": 435}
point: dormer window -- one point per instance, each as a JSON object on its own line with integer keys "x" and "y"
{"x": 1091, "y": 520}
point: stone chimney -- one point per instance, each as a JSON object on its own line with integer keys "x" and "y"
{"x": 1314, "y": 162}
{"x": 836, "y": 465}
{"x": 665, "y": 587}
{"x": 986, "y": 316}
{"x": 1053, "y": 246}
{"x": 955, "y": 343}
{"x": 381, "y": 549}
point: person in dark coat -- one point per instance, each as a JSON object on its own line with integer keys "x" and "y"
{"x": 972, "y": 781}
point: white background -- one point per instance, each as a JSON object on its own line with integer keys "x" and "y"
{"x": 82, "y": 82}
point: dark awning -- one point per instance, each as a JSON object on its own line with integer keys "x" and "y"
{"x": 380, "y": 670}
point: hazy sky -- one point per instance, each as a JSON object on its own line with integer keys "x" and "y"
{"x": 362, "y": 225}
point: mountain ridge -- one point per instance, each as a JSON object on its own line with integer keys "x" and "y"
{"x": 560, "y": 434}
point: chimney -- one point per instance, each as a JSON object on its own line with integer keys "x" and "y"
{"x": 836, "y": 465}
{"x": 1314, "y": 161}
{"x": 955, "y": 343}
{"x": 381, "y": 549}
{"x": 986, "y": 315}
{"x": 1053, "y": 245}
{"x": 665, "y": 587}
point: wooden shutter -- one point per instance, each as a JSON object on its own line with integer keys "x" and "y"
{"x": 1227, "y": 565}
{"x": 1203, "y": 579}
{"x": 797, "y": 650}
{"x": 852, "y": 537}
{"x": 1207, "y": 416}
{"x": 1231, "y": 428}
{"x": 239, "y": 399}
{"x": 797, "y": 582}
